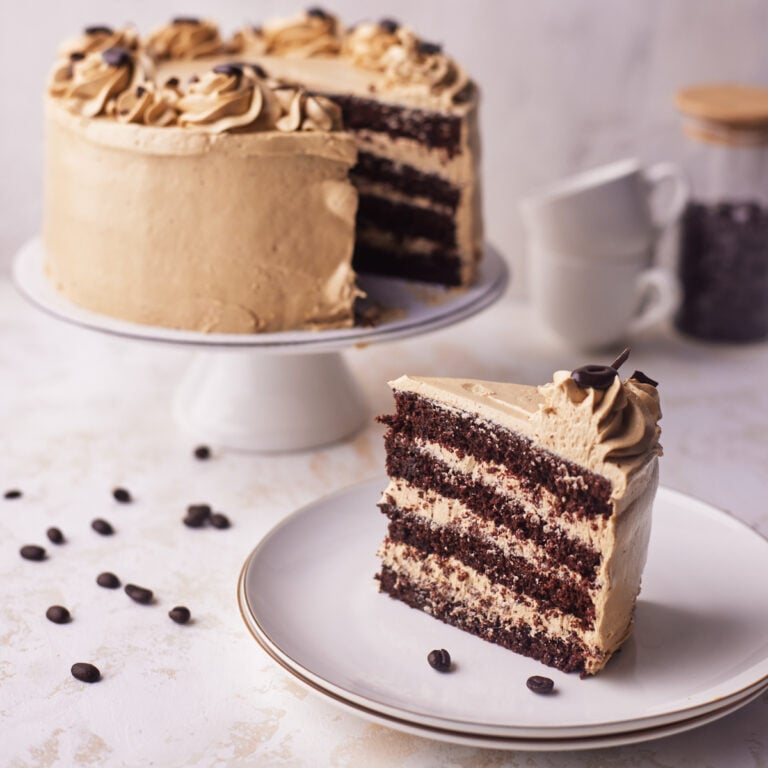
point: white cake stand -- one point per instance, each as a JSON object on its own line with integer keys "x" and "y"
{"x": 282, "y": 391}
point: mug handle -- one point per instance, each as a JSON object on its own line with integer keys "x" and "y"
{"x": 658, "y": 296}
{"x": 660, "y": 173}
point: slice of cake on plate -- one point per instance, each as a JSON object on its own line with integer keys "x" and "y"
{"x": 522, "y": 514}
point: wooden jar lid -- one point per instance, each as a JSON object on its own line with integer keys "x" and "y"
{"x": 725, "y": 113}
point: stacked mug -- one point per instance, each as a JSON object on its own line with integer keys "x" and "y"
{"x": 591, "y": 250}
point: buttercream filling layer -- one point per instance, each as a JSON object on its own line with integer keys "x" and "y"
{"x": 524, "y": 578}
{"x": 449, "y": 581}
{"x": 576, "y": 492}
{"x": 534, "y": 539}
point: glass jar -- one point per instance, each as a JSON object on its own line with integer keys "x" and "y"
{"x": 723, "y": 264}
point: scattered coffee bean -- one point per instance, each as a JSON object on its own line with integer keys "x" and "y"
{"x": 121, "y": 495}
{"x": 192, "y": 20}
{"x": 102, "y": 526}
{"x": 85, "y": 672}
{"x": 108, "y": 580}
{"x": 197, "y": 515}
{"x": 58, "y": 614}
{"x": 14, "y": 493}
{"x": 219, "y": 520}
{"x": 440, "y": 660}
{"x": 32, "y": 552}
{"x": 139, "y": 594}
{"x": 539, "y": 684}
{"x": 202, "y": 452}
{"x": 180, "y": 614}
{"x": 55, "y": 536}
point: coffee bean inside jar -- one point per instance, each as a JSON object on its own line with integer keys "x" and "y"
{"x": 724, "y": 235}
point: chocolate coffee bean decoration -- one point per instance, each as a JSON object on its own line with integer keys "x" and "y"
{"x": 643, "y": 379}
{"x": 539, "y": 684}
{"x": 98, "y": 30}
{"x": 233, "y": 70}
{"x": 599, "y": 376}
{"x": 594, "y": 376}
{"x": 117, "y": 56}
{"x": 440, "y": 660}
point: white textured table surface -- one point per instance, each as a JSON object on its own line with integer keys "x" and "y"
{"x": 81, "y": 413}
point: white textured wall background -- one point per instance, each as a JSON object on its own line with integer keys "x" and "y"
{"x": 566, "y": 85}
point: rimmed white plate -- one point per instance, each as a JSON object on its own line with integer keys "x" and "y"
{"x": 500, "y": 742}
{"x": 410, "y": 309}
{"x": 700, "y": 644}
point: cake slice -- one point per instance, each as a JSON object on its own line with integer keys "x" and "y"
{"x": 522, "y": 514}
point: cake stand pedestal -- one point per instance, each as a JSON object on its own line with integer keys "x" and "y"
{"x": 284, "y": 391}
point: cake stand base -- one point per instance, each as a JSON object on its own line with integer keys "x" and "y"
{"x": 257, "y": 401}
{"x": 282, "y": 391}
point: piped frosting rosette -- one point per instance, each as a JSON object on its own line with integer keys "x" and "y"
{"x": 99, "y": 38}
{"x": 407, "y": 63}
{"x": 310, "y": 33}
{"x": 185, "y": 38}
{"x": 87, "y": 82}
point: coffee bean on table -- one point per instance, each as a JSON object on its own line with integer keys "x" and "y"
{"x": 197, "y": 515}
{"x": 122, "y": 495}
{"x": 539, "y": 684}
{"x": 85, "y": 672}
{"x": 14, "y": 493}
{"x": 58, "y": 614}
{"x": 219, "y": 520}
{"x": 202, "y": 452}
{"x": 32, "y": 552}
{"x": 180, "y": 614}
{"x": 440, "y": 660}
{"x": 108, "y": 580}
{"x": 55, "y": 536}
{"x": 102, "y": 526}
{"x": 139, "y": 594}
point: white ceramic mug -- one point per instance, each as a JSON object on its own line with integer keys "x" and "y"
{"x": 597, "y": 304}
{"x": 606, "y": 211}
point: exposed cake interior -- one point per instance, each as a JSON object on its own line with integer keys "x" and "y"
{"x": 522, "y": 514}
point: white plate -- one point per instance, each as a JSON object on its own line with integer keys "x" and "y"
{"x": 417, "y": 308}
{"x": 500, "y": 742}
{"x": 700, "y": 642}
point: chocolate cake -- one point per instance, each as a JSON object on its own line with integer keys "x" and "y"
{"x": 236, "y": 185}
{"x": 522, "y": 514}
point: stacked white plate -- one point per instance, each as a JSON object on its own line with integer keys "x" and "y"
{"x": 699, "y": 650}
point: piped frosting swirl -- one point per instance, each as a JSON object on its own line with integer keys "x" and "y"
{"x": 92, "y": 80}
{"x": 612, "y": 431}
{"x": 185, "y": 38}
{"x": 310, "y": 33}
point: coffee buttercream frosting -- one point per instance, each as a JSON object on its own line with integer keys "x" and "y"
{"x": 89, "y": 82}
{"x": 613, "y": 432}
